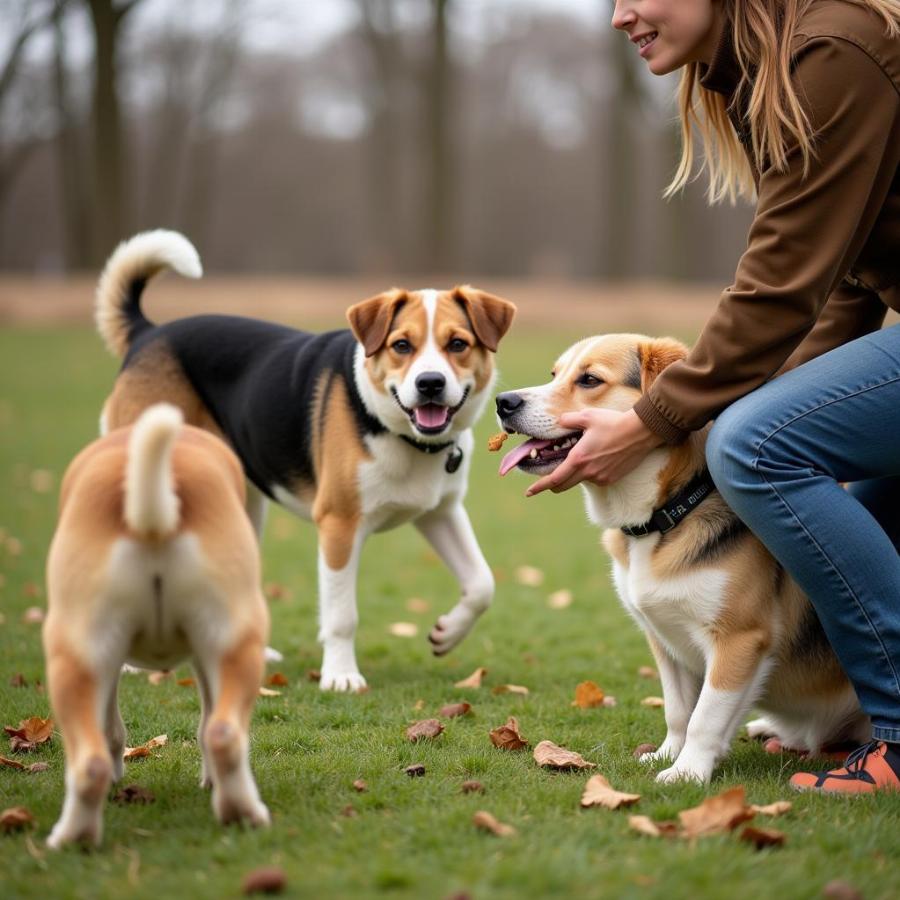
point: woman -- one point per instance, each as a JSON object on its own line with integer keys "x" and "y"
{"x": 799, "y": 100}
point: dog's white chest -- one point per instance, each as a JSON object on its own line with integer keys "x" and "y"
{"x": 679, "y": 611}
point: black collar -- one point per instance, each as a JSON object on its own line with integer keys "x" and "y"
{"x": 676, "y": 508}
{"x": 454, "y": 458}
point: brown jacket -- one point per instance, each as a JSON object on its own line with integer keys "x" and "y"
{"x": 823, "y": 257}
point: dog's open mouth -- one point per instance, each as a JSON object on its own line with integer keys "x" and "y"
{"x": 538, "y": 454}
{"x": 431, "y": 418}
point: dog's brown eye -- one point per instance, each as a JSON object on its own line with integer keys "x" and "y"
{"x": 457, "y": 345}
{"x": 588, "y": 380}
{"x": 402, "y": 346}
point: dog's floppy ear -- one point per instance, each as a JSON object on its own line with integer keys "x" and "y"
{"x": 370, "y": 320}
{"x": 655, "y": 356}
{"x": 490, "y": 316}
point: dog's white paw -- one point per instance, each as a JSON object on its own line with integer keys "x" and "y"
{"x": 450, "y": 629}
{"x": 678, "y": 773}
{"x": 344, "y": 682}
{"x": 666, "y": 752}
{"x": 761, "y": 727}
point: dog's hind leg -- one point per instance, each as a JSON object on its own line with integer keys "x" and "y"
{"x": 449, "y": 531}
{"x": 80, "y": 698}
{"x": 206, "y": 703}
{"x": 115, "y": 733}
{"x": 233, "y": 680}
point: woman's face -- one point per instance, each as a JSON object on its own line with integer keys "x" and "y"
{"x": 670, "y": 33}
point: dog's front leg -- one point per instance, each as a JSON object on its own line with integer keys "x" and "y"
{"x": 680, "y": 690}
{"x": 733, "y": 680}
{"x": 340, "y": 543}
{"x": 449, "y": 531}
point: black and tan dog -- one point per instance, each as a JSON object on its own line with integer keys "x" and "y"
{"x": 359, "y": 430}
{"x": 153, "y": 561}
{"x": 728, "y": 628}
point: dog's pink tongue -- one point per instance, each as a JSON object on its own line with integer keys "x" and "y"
{"x": 431, "y": 415}
{"x": 514, "y": 457}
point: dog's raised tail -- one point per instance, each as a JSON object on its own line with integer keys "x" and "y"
{"x": 151, "y": 504}
{"x": 117, "y": 309}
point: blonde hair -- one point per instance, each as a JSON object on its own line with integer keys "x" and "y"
{"x": 762, "y": 33}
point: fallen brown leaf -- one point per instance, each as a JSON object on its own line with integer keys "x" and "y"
{"x": 349, "y": 811}
{"x": 474, "y": 680}
{"x": 599, "y": 792}
{"x": 452, "y": 710}
{"x": 277, "y": 679}
{"x": 159, "y": 741}
{"x": 485, "y": 821}
{"x": 529, "y": 576}
{"x": 427, "y": 728}
{"x": 185, "y": 682}
{"x": 34, "y": 615}
{"x": 648, "y": 672}
{"x": 30, "y": 733}
{"x": 551, "y": 756}
{"x": 507, "y": 736}
{"x": 763, "y": 837}
{"x": 360, "y": 786}
{"x": 30, "y": 589}
{"x": 646, "y": 825}
{"x": 18, "y": 680}
{"x": 841, "y": 890}
{"x": 587, "y": 695}
{"x": 37, "y": 767}
{"x": 610, "y": 701}
{"x": 560, "y": 599}
{"x": 472, "y": 787}
{"x": 723, "y": 812}
{"x": 653, "y": 701}
{"x": 268, "y": 692}
{"x": 418, "y": 605}
{"x": 404, "y": 629}
{"x": 773, "y": 809}
{"x": 641, "y": 749}
{"x": 11, "y": 763}
{"x": 144, "y": 749}
{"x": 265, "y": 880}
{"x": 416, "y": 770}
{"x": 15, "y": 818}
{"x": 313, "y": 675}
{"x": 275, "y": 591}
{"x": 133, "y": 793}
{"x": 510, "y": 689}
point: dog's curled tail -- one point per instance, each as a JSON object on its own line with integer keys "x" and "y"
{"x": 117, "y": 309}
{"x": 151, "y": 504}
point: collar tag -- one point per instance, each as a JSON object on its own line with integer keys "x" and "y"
{"x": 454, "y": 460}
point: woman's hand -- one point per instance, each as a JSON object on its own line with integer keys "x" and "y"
{"x": 612, "y": 445}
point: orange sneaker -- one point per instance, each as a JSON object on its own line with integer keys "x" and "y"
{"x": 865, "y": 771}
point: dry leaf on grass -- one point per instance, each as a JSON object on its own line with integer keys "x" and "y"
{"x": 416, "y": 770}
{"x": 773, "y": 809}
{"x": 185, "y": 682}
{"x": 15, "y": 818}
{"x": 418, "y": 605}
{"x": 268, "y": 692}
{"x": 598, "y": 792}
{"x": 159, "y": 677}
{"x": 18, "y": 680}
{"x": 419, "y": 705}
{"x": 360, "y": 786}
{"x": 34, "y": 615}
{"x": 510, "y": 689}
{"x": 30, "y": 734}
{"x": 656, "y": 702}
{"x": 723, "y": 812}
{"x": 646, "y": 825}
{"x": 485, "y": 821}
{"x": 404, "y": 629}
{"x": 551, "y": 756}
{"x": 30, "y": 589}
{"x": 587, "y": 695}
{"x": 763, "y": 837}
{"x": 265, "y": 880}
{"x": 474, "y": 680}
{"x": 134, "y": 793}
{"x": 641, "y": 749}
{"x": 37, "y": 767}
{"x": 144, "y": 749}
{"x": 452, "y": 710}
{"x": 609, "y": 701}
{"x": 277, "y": 679}
{"x": 648, "y": 672}
{"x": 560, "y": 599}
{"x": 424, "y": 730}
{"x": 529, "y": 576}
{"x": 313, "y": 675}
{"x": 349, "y": 811}
{"x": 841, "y": 890}
{"x": 13, "y": 764}
{"x": 275, "y": 591}
{"x": 472, "y": 787}
{"x": 507, "y": 736}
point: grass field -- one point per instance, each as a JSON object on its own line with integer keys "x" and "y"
{"x": 407, "y": 837}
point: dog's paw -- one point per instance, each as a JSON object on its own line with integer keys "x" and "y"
{"x": 343, "y": 682}
{"x": 666, "y": 752}
{"x": 677, "y": 773}
{"x": 450, "y": 629}
{"x": 246, "y": 810}
{"x": 761, "y": 728}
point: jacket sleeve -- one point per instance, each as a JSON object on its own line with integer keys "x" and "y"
{"x": 806, "y": 234}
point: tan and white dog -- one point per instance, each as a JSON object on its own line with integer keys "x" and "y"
{"x": 154, "y": 561}
{"x": 358, "y": 430}
{"x": 728, "y": 628}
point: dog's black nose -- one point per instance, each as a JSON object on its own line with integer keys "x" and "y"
{"x": 508, "y": 403}
{"x": 430, "y": 384}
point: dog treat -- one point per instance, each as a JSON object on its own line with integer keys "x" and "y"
{"x": 495, "y": 441}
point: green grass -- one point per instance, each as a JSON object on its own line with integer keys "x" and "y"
{"x": 410, "y": 837}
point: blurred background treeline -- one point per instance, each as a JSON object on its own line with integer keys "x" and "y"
{"x": 472, "y": 137}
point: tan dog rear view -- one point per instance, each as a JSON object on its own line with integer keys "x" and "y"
{"x": 154, "y": 560}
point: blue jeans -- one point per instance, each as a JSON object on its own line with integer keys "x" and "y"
{"x": 779, "y": 455}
